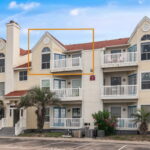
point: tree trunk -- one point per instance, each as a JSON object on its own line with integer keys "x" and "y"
{"x": 40, "y": 117}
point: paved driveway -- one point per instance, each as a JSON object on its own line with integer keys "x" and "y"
{"x": 60, "y": 144}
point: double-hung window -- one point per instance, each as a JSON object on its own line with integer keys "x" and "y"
{"x": 145, "y": 51}
{"x": 2, "y": 62}
{"x": 145, "y": 80}
{"x": 2, "y": 88}
{"x": 45, "y": 58}
{"x": 45, "y": 84}
{"x": 23, "y": 75}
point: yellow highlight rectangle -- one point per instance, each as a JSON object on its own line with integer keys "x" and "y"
{"x": 91, "y": 29}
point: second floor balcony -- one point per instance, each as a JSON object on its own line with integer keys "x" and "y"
{"x": 119, "y": 59}
{"x": 67, "y": 64}
{"x": 120, "y": 92}
{"x": 69, "y": 94}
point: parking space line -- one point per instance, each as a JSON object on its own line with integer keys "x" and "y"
{"x": 122, "y": 147}
{"x": 81, "y": 146}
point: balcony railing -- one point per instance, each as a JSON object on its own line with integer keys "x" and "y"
{"x": 119, "y": 91}
{"x": 67, "y": 64}
{"x": 119, "y": 59}
{"x": 66, "y": 123}
{"x": 68, "y": 93}
{"x": 126, "y": 124}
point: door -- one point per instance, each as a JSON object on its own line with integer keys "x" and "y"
{"x": 76, "y": 85}
{"x": 131, "y": 110}
{"x": 59, "y": 115}
{"x": 16, "y": 116}
{"x": 76, "y": 59}
{"x": 116, "y": 111}
{"x": 132, "y": 80}
{"x": 116, "y": 89}
{"x": 61, "y": 86}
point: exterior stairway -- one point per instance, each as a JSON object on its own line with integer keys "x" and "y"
{"x": 7, "y": 131}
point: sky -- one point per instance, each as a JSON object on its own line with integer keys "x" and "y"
{"x": 111, "y": 19}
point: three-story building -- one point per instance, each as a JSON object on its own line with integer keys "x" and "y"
{"x": 121, "y": 84}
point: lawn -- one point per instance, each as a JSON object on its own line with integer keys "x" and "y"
{"x": 129, "y": 137}
{"x": 47, "y": 134}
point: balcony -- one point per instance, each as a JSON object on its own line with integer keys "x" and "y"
{"x": 119, "y": 59}
{"x": 69, "y": 94}
{"x": 120, "y": 92}
{"x": 126, "y": 124}
{"x": 67, "y": 64}
{"x": 66, "y": 123}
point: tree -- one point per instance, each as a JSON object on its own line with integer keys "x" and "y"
{"x": 104, "y": 121}
{"x": 1, "y": 109}
{"x": 38, "y": 98}
{"x": 143, "y": 118}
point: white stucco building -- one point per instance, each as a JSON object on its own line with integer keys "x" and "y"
{"x": 121, "y": 83}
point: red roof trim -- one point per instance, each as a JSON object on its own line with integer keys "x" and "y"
{"x": 100, "y": 44}
{"x": 17, "y": 93}
{"x": 24, "y": 65}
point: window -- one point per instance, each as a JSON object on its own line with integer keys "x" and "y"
{"x": 47, "y": 115}
{"x": 22, "y": 75}
{"x": 116, "y": 51}
{"x": 116, "y": 111}
{"x": 45, "y": 84}
{"x": 145, "y": 80}
{"x": 145, "y": 37}
{"x": 2, "y": 88}
{"x": 2, "y": 62}
{"x": 76, "y": 112}
{"x": 59, "y": 56}
{"x": 132, "y": 48}
{"x": 146, "y": 109}
{"x": 145, "y": 51}
{"x": 45, "y": 58}
{"x": 115, "y": 80}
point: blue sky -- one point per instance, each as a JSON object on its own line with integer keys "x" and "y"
{"x": 110, "y": 18}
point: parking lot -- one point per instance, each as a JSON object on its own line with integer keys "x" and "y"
{"x": 60, "y": 144}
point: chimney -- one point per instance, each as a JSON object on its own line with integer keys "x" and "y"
{"x": 12, "y": 53}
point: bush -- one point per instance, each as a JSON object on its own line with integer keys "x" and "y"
{"x": 104, "y": 121}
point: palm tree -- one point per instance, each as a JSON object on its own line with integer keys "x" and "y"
{"x": 143, "y": 118}
{"x": 38, "y": 98}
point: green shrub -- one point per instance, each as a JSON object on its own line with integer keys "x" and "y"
{"x": 104, "y": 121}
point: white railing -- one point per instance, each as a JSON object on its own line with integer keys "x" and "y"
{"x": 126, "y": 124}
{"x": 119, "y": 90}
{"x": 68, "y": 92}
{"x": 124, "y": 58}
{"x": 66, "y": 123}
{"x": 66, "y": 64}
{"x": 20, "y": 126}
{"x": 2, "y": 123}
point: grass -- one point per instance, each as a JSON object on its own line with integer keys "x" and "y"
{"x": 46, "y": 134}
{"x": 129, "y": 137}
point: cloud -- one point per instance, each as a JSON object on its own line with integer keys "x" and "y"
{"x": 141, "y": 1}
{"x": 75, "y": 12}
{"x": 24, "y": 6}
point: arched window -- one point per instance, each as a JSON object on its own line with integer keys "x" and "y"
{"x": 145, "y": 37}
{"x": 45, "y": 58}
{"x": 2, "y": 62}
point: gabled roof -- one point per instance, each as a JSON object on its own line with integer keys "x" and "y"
{"x": 97, "y": 45}
{"x": 138, "y": 25}
{"x": 16, "y": 93}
